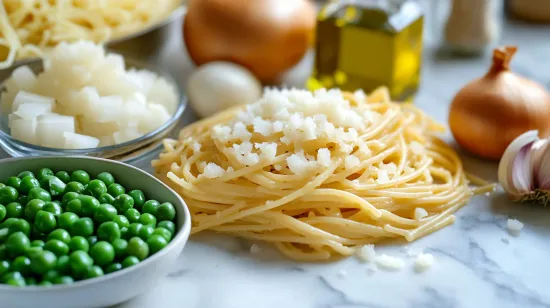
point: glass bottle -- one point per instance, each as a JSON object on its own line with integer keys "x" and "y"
{"x": 364, "y": 44}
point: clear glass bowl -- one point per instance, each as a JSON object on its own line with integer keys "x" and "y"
{"x": 127, "y": 152}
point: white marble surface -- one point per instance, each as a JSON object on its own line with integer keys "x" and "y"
{"x": 478, "y": 264}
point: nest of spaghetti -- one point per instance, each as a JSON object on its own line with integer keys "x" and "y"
{"x": 318, "y": 174}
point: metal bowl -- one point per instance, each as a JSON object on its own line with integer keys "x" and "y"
{"x": 127, "y": 152}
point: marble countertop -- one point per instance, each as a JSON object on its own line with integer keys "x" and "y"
{"x": 477, "y": 262}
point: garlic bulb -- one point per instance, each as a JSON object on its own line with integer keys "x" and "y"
{"x": 524, "y": 169}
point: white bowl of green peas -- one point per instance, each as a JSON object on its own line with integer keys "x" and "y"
{"x": 84, "y": 232}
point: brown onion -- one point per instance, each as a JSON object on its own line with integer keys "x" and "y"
{"x": 266, "y": 36}
{"x": 490, "y": 112}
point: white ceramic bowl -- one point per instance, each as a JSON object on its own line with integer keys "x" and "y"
{"x": 116, "y": 287}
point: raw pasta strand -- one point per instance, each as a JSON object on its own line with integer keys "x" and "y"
{"x": 317, "y": 174}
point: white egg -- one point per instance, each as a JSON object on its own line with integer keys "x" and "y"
{"x": 216, "y": 86}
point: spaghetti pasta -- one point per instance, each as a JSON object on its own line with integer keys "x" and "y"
{"x": 30, "y": 27}
{"x": 317, "y": 174}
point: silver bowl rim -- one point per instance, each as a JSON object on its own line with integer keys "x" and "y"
{"x": 182, "y": 234}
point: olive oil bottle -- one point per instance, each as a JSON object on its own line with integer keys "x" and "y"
{"x": 364, "y": 44}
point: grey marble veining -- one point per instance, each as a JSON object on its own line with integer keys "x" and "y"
{"x": 477, "y": 262}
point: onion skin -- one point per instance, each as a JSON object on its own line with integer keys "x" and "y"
{"x": 490, "y": 112}
{"x": 266, "y": 36}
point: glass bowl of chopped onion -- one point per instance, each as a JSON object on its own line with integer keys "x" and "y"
{"x": 82, "y": 100}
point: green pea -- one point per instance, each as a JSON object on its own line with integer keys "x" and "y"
{"x": 2, "y": 185}
{"x": 45, "y": 283}
{"x": 44, "y": 181}
{"x": 14, "y": 279}
{"x": 130, "y": 261}
{"x": 45, "y": 221}
{"x": 122, "y": 221}
{"x": 133, "y": 229}
{"x": 14, "y": 210}
{"x": 166, "y": 211}
{"x": 89, "y": 205}
{"x": 33, "y": 251}
{"x": 92, "y": 240}
{"x": 63, "y": 280}
{"x": 8, "y": 222}
{"x": 53, "y": 208}
{"x": 63, "y": 176}
{"x": 151, "y": 207}
{"x": 17, "y": 243}
{"x": 132, "y": 215}
{"x": 8, "y": 194}
{"x": 119, "y": 245}
{"x": 113, "y": 267}
{"x": 3, "y": 212}
{"x": 80, "y": 261}
{"x": 54, "y": 186}
{"x": 60, "y": 234}
{"x": 145, "y": 232}
{"x": 51, "y": 275}
{"x": 76, "y": 187}
{"x": 156, "y": 243}
{"x": 106, "y": 198}
{"x": 123, "y": 232}
{"x": 21, "y": 264}
{"x": 39, "y": 193}
{"x": 94, "y": 271}
{"x": 68, "y": 197}
{"x": 139, "y": 198}
{"x": 123, "y": 203}
{"x": 96, "y": 188}
{"x": 62, "y": 265}
{"x": 74, "y": 206}
{"x": 24, "y": 174}
{"x": 105, "y": 212}
{"x": 79, "y": 243}
{"x": 43, "y": 262}
{"x": 33, "y": 207}
{"x": 80, "y": 176}
{"x": 3, "y": 252}
{"x": 4, "y": 233}
{"x": 108, "y": 231}
{"x": 66, "y": 220}
{"x": 106, "y": 178}
{"x": 82, "y": 227}
{"x": 14, "y": 182}
{"x": 37, "y": 243}
{"x": 148, "y": 219}
{"x": 30, "y": 281}
{"x": 4, "y": 267}
{"x": 20, "y": 225}
{"x": 137, "y": 248}
{"x": 28, "y": 183}
{"x": 164, "y": 233}
{"x": 116, "y": 190}
{"x": 103, "y": 253}
{"x": 44, "y": 172}
{"x": 57, "y": 247}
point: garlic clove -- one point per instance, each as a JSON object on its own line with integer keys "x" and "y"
{"x": 538, "y": 150}
{"x": 505, "y": 165}
{"x": 521, "y": 172}
{"x": 542, "y": 173}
